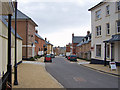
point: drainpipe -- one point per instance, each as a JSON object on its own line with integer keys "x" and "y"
{"x": 15, "y": 66}
{"x": 9, "y": 66}
{"x": 105, "y": 55}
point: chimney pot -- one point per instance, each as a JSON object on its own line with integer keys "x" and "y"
{"x": 45, "y": 39}
{"x": 73, "y": 35}
{"x": 88, "y": 32}
{"x": 36, "y": 31}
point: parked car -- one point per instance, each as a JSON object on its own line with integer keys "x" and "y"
{"x": 48, "y": 58}
{"x": 52, "y": 55}
{"x": 68, "y": 57}
{"x": 72, "y": 58}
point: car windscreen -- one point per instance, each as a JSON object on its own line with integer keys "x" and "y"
{"x": 73, "y": 56}
{"x": 48, "y": 56}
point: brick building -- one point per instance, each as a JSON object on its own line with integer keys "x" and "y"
{"x": 26, "y": 29}
{"x": 75, "y": 41}
{"x": 69, "y": 49}
{"x": 83, "y": 49}
{"x": 39, "y": 43}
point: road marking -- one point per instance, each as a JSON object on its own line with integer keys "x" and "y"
{"x": 79, "y": 79}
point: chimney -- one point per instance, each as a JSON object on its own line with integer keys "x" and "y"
{"x": 48, "y": 41}
{"x": 36, "y": 31}
{"x": 45, "y": 39}
{"x": 73, "y": 35}
{"x": 88, "y": 32}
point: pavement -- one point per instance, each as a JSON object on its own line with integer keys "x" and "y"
{"x": 32, "y": 74}
{"x": 101, "y": 68}
{"x": 73, "y": 75}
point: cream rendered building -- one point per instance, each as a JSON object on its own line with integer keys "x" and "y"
{"x": 4, "y": 46}
{"x": 105, "y": 23}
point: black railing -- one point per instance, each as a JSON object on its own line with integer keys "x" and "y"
{"x": 4, "y": 82}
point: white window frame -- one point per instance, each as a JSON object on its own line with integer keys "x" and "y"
{"x": 98, "y": 14}
{"x": 97, "y": 50}
{"x": 117, "y": 26}
{"x": 118, "y": 6}
{"x": 107, "y": 10}
{"x": 107, "y": 29}
{"x": 98, "y": 30}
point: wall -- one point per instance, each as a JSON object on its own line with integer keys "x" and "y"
{"x": 105, "y": 19}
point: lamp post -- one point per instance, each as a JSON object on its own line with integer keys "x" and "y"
{"x": 9, "y": 66}
{"x": 15, "y": 66}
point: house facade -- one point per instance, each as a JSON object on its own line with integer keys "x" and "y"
{"x": 39, "y": 44}
{"x": 49, "y": 47}
{"x": 105, "y": 25}
{"x": 4, "y": 47}
{"x": 69, "y": 49}
{"x": 26, "y": 29}
{"x": 83, "y": 49}
{"x": 75, "y": 41}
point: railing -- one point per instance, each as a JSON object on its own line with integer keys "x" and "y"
{"x": 4, "y": 82}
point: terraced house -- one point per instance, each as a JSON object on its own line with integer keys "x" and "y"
{"x": 26, "y": 29}
{"x": 83, "y": 49}
{"x": 105, "y": 25}
{"x": 39, "y": 44}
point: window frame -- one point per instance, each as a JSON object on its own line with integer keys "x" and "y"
{"x": 107, "y": 29}
{"x": 98, "y": 14}
{"x": 117, "y": 26}
{"x": 98, "y": 50}
{"x": 107, "y": 10}
{"x": 118, "y": 6}
{"x": 98, "y": 31}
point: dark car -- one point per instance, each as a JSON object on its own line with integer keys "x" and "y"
{"x": 52, "y": 55}
{"x": 72, "y": 58}
{"x": 48, "y": 58}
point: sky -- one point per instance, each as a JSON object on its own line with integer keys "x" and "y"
{"x": 58, "y": 19}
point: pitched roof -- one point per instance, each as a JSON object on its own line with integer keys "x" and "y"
{"x": 6, "y": 23}
{"x": 77, "y": 39}
{"x": 85, "y": 42}
{"x": 39, "y": 36}
{"x": 48, "y": 43}
{"x": 21, "y": 16}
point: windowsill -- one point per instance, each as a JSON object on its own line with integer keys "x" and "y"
{"x": 117, "y": 11}
{"x": 98, "y": 19}
{"x": 118, "y": 32}
{"x": 107, "y": 34}
{"x": 98, "y": 57}
{"x": 107, "y": 15}
{"x": 98, "y": 36}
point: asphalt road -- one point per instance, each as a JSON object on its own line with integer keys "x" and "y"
{"x": 72, "y": 75}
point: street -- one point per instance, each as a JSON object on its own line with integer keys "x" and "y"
{"x": 72, "y": 75}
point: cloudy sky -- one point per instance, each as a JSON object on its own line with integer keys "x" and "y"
{"x": 58, "y": 19}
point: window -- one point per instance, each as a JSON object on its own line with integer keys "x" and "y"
{"x": 98, "y": 30}
{"x": 107, "y": 10}
{"x": 98, "y": 14}
{"x": 108, "y": 28}
{"x": 118, "y": 26}
{"x": 98, "y": 50}
{"x": 108, "y": 51}
{"x": 118, "y": 6}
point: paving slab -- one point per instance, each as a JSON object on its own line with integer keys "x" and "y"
{"x": 32, "y": 75}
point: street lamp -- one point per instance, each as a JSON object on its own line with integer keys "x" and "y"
{"x": 15, "y": 67}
